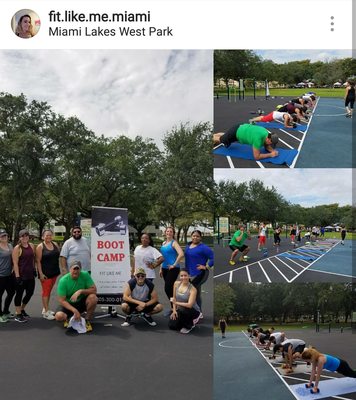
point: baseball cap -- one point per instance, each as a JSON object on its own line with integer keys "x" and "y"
{"x": 75, "y": 263}
{"x": 274, "y": 139}
{"x": 23, "y": 232}
{"x": 140, "y": 271}
{"x": 3, "y": 232}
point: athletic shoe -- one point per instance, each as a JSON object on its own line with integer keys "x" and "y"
{"x": 20, "y": 318}
{"x": 251, "y": 121}
{"x": 232, "y": 262}
{"x": 88, "y": 326}
{"x": 48, "y": 315}
{"x": 185, "y": 330}
{"x": 65, "y": 324}
{"x": 3, "y": 319}
{"x": 8, "y": 315}
{"x": 24, "y": 314}
{"x": 127, "y": 321}
{"x": 49, "y": 311}
{"x": 148, "y": 319}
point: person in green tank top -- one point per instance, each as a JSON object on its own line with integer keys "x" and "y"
{"x": 254, "y": 135}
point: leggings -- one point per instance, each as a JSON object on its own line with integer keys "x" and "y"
{"x": 169, "y": 276}
{"x": 277, "y": 238}
{"x": 6, "y": 283}
{"x": 27, "y": 286}
{"x": 184, "y": 319}
{"x": 346, "y": 370}
{"x": 197, "y": 282}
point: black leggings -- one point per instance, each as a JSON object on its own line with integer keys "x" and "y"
{"x": 350, "y": 101}
{"x": 277, "y": 238}
{"x": 6, "y": 283}
{"x": 346, "y": 370}
{"x": 27, "y": 286}
{"x": 184, "y": 319}
{"x": 197, "y": 283}
{"x": 169, "y": 276}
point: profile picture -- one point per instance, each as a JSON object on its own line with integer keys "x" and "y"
{"x": 25, "y": 24}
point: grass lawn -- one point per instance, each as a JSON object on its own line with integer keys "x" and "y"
{"x": 284, "y": 327}
{"x": 322, "y": 92}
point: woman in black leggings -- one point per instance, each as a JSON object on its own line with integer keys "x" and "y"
{"x": 7, "y": 282}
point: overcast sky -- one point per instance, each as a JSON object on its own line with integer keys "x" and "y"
{"x": 128, "y": 92}
{"x": 307, "y": 187}
{"x": 284, "y": 56}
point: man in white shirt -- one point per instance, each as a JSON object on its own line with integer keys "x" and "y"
{"x": 75, "y": 249}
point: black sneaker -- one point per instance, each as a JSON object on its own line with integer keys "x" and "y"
{"x": 127, "y": 321}
{"x": 20, "y": 318}
{"x": 24, "y": 314}
{"x": 148, "y": 319}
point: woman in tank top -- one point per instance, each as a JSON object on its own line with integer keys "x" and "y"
{"x": 23, "y": 258}
{"x": 172, "y": 254}
{"x": 47, "y": 259}
{"x": 7, "y": 282}
{"x": 321, "y": 361}
{"x": 186, "y": 312}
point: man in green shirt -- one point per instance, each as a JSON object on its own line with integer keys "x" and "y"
{"x": 76, "y": 294}
{"x": 254, "y": 135}
{"x": 237, "y": 244}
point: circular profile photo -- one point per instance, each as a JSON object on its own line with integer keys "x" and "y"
{"x": 25, "y": 24}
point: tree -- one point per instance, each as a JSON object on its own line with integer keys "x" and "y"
{"x": 224, "y": 299}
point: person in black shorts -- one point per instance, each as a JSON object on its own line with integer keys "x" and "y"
{"x": 349, "y": 98}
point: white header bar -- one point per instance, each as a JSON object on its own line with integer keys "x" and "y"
{"x": 306, "y": 24}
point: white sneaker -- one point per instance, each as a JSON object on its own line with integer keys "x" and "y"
{"x": 48, "y": 315}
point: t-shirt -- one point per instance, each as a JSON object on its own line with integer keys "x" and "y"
{"x": 67, "y": 286}
{"x": 294, "y": 342}
{"x": 141, "y": 292}
{"x": 234, "y": 242}
{"x": 252, "y": 134}
{"x": 77, "y": 250}
{"x": 144, "y": 256}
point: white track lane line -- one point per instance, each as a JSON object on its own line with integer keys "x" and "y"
{"x": 230, "y": 162}
{"x": 304, "y": 136}
{"x": 267, "y": 277}
{"x": 287, "y": 265}
{"x": 288, "y": 145}
{"x": 248, "y": 275}
{"x": 279, "y": 270}
{"x": 292, "y": 136}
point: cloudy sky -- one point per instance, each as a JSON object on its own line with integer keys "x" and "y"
{"x": 307, "y": 187}
{"x": 128, "y": 92}
{"x": 284, "y": 56}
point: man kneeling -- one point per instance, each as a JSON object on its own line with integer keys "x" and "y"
{"x": 140, "y": 299}
{"x": 76, "y": 294}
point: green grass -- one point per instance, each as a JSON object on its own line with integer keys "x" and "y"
{"x": 287, "y": 92}
{"x": 283, "y": 327}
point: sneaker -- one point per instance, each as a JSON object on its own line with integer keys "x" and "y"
{"x": 148, "y": 319}
{"x": 3, "y": 319}
{"x": 48, "y": 315}
{"x": 49, "y": 311}
{"x": 24, "y": 314}
{"x": 127, "y": 321}
{"x": 88, "y": 326}
{"x": 8, "y": 315}
{"x": 20, "y": 318}
{"x": 196, "y": 320}
{"x": 65, "y": 324}
{"x": 185, "y": 330}
{"x": 232, "y": 262}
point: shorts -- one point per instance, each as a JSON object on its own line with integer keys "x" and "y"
{"x": 80, "y": 306}
{"x": 47, "y": 286}
{"x": 147, "y": 309}
{"x": 267, "y": 118}
{"x": 241, "y": 248}
{"x": 262, "y": 240}
{"x": 350, "y": 101}
{"x": 229, "y": 136}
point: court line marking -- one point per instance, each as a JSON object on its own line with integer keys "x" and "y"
{"x": 292, "y": 136}
{"x": 267, "y": 277}
{"x": 330, "y": 273}
{"x": 305, "y": 134}
{"x": 327, "y": 251}
{"x": 275, "y": 371}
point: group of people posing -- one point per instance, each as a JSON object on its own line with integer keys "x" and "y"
{"x": 288, "y": 114}
{"x": 77, "y": 293}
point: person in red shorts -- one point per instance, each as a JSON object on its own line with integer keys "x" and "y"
{"x": 47, "y": 259}
{"x": 288, "y": 120}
